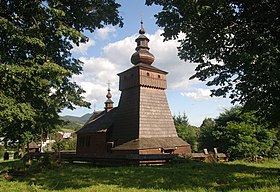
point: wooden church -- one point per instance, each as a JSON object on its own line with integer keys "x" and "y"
{"x": 142, "y": 122}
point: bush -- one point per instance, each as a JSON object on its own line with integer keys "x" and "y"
{"x": 240, "y": 135}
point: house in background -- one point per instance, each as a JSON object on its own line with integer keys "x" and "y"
{"x": 142, "y": 123}
{"x": 64, "y": 135}
{"x": 32, "y": 147}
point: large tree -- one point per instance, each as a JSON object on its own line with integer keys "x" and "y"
{"x": 36, "y": 64}
{"x": 236, "y": 44}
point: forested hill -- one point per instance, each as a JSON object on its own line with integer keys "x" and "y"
{"x": 81, "y": 119}
{"x": 74, "y": 122}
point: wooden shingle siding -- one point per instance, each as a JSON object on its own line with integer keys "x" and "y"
{"x": 127, "y": 121}
{"x": 155, "y": 117}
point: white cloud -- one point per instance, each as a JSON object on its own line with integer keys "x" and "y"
{"x": 103, "y": 33}
{"x": 83, "y": 47}
{"x": 198, "y": 94}
{"x": 94, "y": 92}
{"x": 120, "y": 52}
{"x": 97, "y": 72}
{"x": 166, "y": 58}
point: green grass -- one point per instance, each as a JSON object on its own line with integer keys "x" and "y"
{"x": 67, "y": 130}
{"x": 177, "y": 176}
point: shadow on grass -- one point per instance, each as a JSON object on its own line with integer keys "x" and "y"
{"x": 181, "y": 175}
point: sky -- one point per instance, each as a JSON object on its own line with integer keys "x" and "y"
{"x": 108, "y": 53}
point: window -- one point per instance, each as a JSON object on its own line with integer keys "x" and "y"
{"x": 158, "y": 76}
{"x": 148, "y": 74}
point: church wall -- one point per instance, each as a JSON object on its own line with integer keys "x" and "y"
{"x": 92, "y": 143}
{"x": 126, "y": 124}
{"x": 183, "y": 150}
{"x": 178, "y": 150}
{"x": 152, "y": 79}
{"x": 129, "y": 79}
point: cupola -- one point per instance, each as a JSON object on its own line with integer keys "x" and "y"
{"x": 142, "y": 54}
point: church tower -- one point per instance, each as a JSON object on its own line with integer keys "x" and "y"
{"x": 108, "y": 103}
{"x": 144, "y": 124}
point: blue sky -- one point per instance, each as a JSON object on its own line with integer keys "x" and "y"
{"x": 108, "y": 53}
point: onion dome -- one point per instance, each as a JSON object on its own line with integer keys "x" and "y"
{"x": 142, "y": 54}
{"x": 109, "y": 95}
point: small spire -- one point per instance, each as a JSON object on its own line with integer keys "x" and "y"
{"x": 108, "y": 103}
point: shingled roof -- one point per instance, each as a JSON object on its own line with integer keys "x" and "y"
{"x": 99, "y": 121}
{"x": 33, "y": 145}
{"x": 148, "y": 143}
{"x": 145, "y": 66}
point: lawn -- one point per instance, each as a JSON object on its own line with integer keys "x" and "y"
{"x": 177, "y": 176}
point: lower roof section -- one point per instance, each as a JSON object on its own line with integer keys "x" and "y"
{"x": 149, "y": 143}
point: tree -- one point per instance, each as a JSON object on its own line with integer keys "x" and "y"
{"x": 36, "y": 64}
{"x": 236, "y": 44}
{"x": 239, "y": 135}
{"x": 205, "y": 138}
{"x": 186, "y": 131}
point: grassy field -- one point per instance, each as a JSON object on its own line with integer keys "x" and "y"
{"x": 177, "y": 176}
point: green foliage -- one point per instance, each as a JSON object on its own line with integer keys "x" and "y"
{"x": 72, "y": 125}
{"x": 248, "y": 140}
{"x": 65, "y": 144}
{"x": 83, "y": 119}
{"x": 240, "y": 135}
{"x": 2, "y": 154}
{"x": 184, "y": 175}
{"x": 205, "y": 138}
{"x": 70, "y": 144}
{"x": 236, "y": 44}
{"x": 36, "y": 64}
{"x": 185, "y": 131}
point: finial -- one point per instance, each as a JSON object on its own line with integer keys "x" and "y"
{"x": 109, "y": 95}
{"x": 109, "y": 83}
{"x": 142, "y": 30}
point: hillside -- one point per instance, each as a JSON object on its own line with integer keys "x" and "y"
{"x": 74, "y": 122}
{"x": 81, "y": 119}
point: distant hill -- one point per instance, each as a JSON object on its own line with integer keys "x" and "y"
{"x": 85, "y": 117}
{"x": 81, "y": 119}
{"x": 75, "y": 123}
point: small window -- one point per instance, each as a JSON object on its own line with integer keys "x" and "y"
{"x": 148, "y": 74}
{"x": 158, "y": 76}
